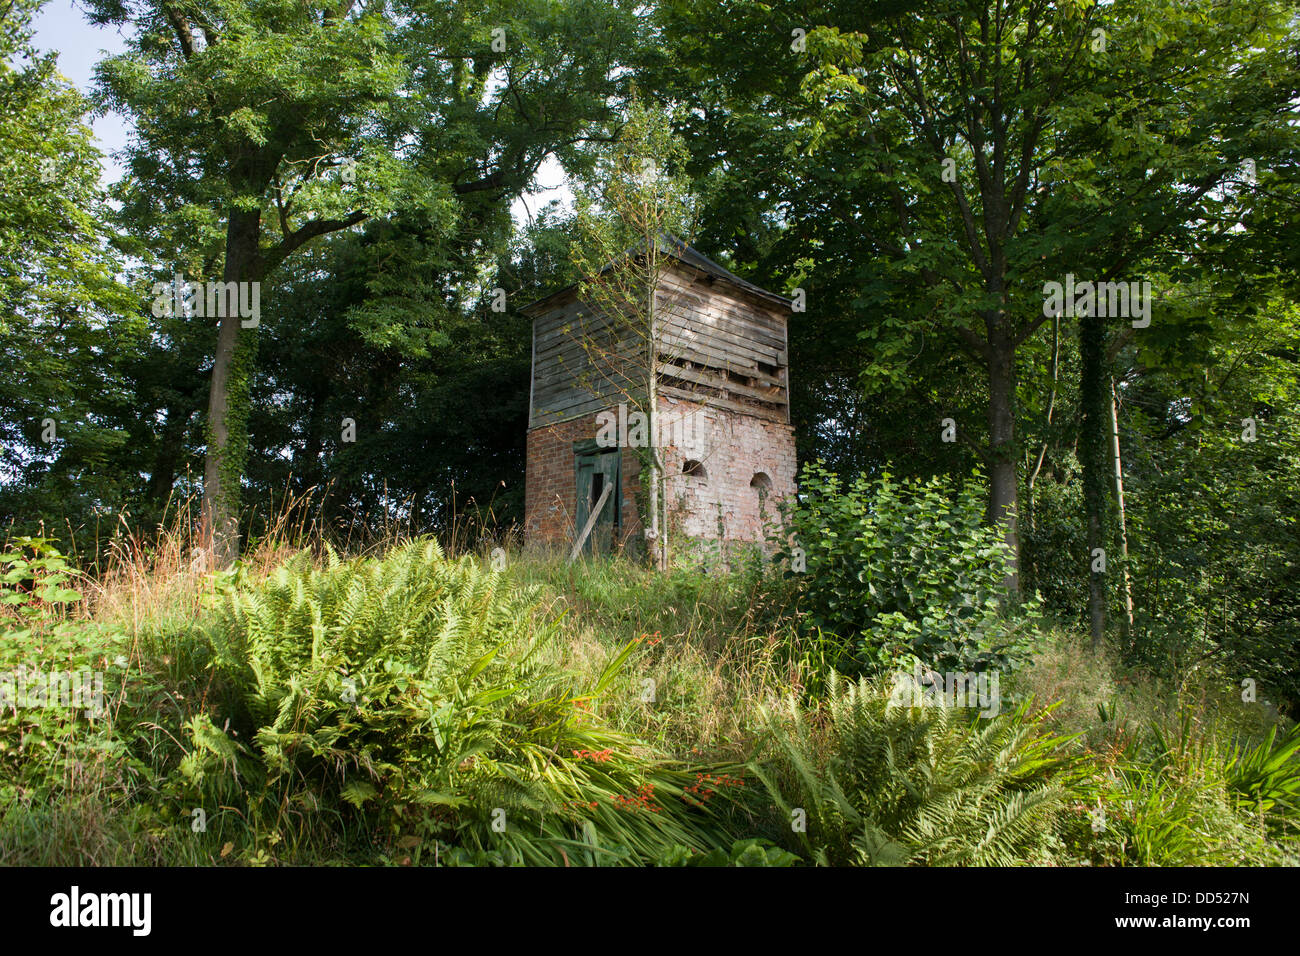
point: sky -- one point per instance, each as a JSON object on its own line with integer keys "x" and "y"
{"x": 61, "y": 27}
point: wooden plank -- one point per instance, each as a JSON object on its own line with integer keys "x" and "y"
{"x": 785, "y": 374}
{"x": 750, "y": 352}
{"x": 701, "y": 279}
{"x": 571, "y": 318}
{"x": 579, "y": 392}
{"x": 579, "y": 358}
{"x": 560, "y": 419}
{"x": 712, "y": 299}
{"x": 723, "y": 291}
{"x": 776, "y": 397}
{"x": 591, "y": 522}
{"x": 554, "y": 416}
{"x": 769, "y": 354}
{"x": 582, "y": 314}
{"x": 567, "y": 307}
{"x": 699, "y": 317}
{"x": 580, "y": 397}
{"x": 764, "y": 412}
{"x": 705, "y": 364}
{"x": 547, "y": 323}
{"x": 626, "y": 346}
{"x": 551, "y": 381}
{"x": 690, "y": 313}
{"x": 719, "y": 359}
{"x": 532, "y": 376}
{"x": 596, "y": 353}
{"x": 718, "y": 308}
{"x": 562, "y": 336}
{"x": 700, "y": 354}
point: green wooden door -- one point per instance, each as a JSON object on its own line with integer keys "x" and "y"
{"x": 596, "y": 469}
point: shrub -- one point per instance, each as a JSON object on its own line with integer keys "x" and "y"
{"x": 1052, "y": 539}
{"x": 1169, "y": 795}
{"x": 45, "y": 655}
{"x": 70, "y": 780}
{"x": 1266, "y": 777}
{"x": 899, "y": 573}
{"x": 421, "y": 702}
{"x": 889, "y": 785}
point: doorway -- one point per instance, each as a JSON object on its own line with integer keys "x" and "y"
{"x": 597, "y": 469}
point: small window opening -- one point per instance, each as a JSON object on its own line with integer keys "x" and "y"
{"x": 693, "y": 468}
{"x": 763, "y": 485}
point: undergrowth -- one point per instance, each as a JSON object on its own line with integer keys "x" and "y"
{"x": 408, "y": 707}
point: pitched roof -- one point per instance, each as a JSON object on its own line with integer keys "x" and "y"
{"x": 674, "y": 247}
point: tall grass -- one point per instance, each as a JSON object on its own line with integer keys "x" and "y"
{"x": 613, "y": 714}
{"x": 864, "y": 782}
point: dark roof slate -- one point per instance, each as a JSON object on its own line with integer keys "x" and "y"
{"x": 672, "y": 246}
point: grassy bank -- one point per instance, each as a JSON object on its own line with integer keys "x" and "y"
{"x": 412, "y": 708}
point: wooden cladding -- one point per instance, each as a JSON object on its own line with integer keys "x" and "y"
{"x": 716, "y": 345}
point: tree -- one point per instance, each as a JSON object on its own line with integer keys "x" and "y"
{"x": 269, "y": 125}
{"x": 966, "y": 113}
{"x": 64, "y": 317}
{"x": 379, "y": 427}
{"x": 1146, "y": 177}
{"x": 636, "y": 202}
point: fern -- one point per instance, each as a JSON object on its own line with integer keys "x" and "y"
{"x": 1267, "y": 777}
{"x": 424, "y": 697}
{"x": 889, "y": 786}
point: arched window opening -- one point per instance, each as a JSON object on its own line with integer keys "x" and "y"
{"x": 762, "y": 484}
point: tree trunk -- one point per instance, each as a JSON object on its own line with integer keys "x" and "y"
{"x": 1093, "y": 454}
{"x": 1117, "y": 474}
{"x": 170, "y": 445}
{"x": 227, "y": 425}
{"x": 1003, "y": 479}
{"x": 1032, "y": 570}
{"x": 310, "y": 474}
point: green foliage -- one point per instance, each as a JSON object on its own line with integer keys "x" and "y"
{"x": 1170, "y": 796}
{"x": 264, "y": 127}
{"x": 637, "y": 192}
{"x": 1053, "y": 545}
{"x": 66, "y": 323}
{"x": 752, "y": 852}
{"x": 34, "y": 577}
{"x": 420, "y": 699}
{"x": 1267, "y": 776}
{"x": 944, "y": 160}
{"x": 1220, "y": 550}
{"x": 892, "y": 785}
{"x": 904, "y": 571}
{"x": 382, "y": 709}
{"x": 54, "y": 725}
{"x": 421, "y": 422}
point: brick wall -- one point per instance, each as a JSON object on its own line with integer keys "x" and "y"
{"x": 722, "y": 502}
{"x": 550, "y": 494}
